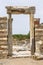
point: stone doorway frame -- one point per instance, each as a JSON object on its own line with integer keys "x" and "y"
{"x": 20, "y": 10}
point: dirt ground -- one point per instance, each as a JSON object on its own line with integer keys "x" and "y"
{"x": 20, "y": 61}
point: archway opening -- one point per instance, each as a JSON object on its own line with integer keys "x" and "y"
{"x": 20, "y": 10}
{"x": 20, "y": 32}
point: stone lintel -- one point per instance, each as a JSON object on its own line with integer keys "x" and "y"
{"x": 20, "y": 10}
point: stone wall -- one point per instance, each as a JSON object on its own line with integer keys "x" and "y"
{"x": 3, "y": 30}
{"x": 39, "y": 36}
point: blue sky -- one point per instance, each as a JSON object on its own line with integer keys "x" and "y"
{"x": 20, "y": 24}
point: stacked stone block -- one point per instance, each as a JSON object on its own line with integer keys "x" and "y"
{"x": 3, "y": 31}
{"x": 38, "y": 36}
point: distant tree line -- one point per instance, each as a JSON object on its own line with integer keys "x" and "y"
{"x": 21, "y": 36}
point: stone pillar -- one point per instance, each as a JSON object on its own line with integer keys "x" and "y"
{"x": 32, "y": 34}
{"x": 9, "y": 36}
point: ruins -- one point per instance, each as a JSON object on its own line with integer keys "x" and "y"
{"x": 38, "y": 36}
{"x": 20, "y": 10}
{"x": 3, "y": 30}
{"x": 6, "y": 26}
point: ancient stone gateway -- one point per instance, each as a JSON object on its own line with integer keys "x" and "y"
{"x": 20, "y": 10}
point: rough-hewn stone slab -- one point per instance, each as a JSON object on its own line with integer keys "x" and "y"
{"x": 20, "y": 10}
{"x": 3, "y": 18}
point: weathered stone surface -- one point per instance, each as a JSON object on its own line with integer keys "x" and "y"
{"x": 20, "y": 10}
{"x": 39, "y": 37}
{"x": 9, "y": 36}
{"x": 3, "y": 30}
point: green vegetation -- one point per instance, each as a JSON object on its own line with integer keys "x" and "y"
{"x": 20, "y": 36}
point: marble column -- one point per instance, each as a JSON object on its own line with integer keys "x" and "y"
{"x": 32, "y": 34}
{"x": 10, "y": 36}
